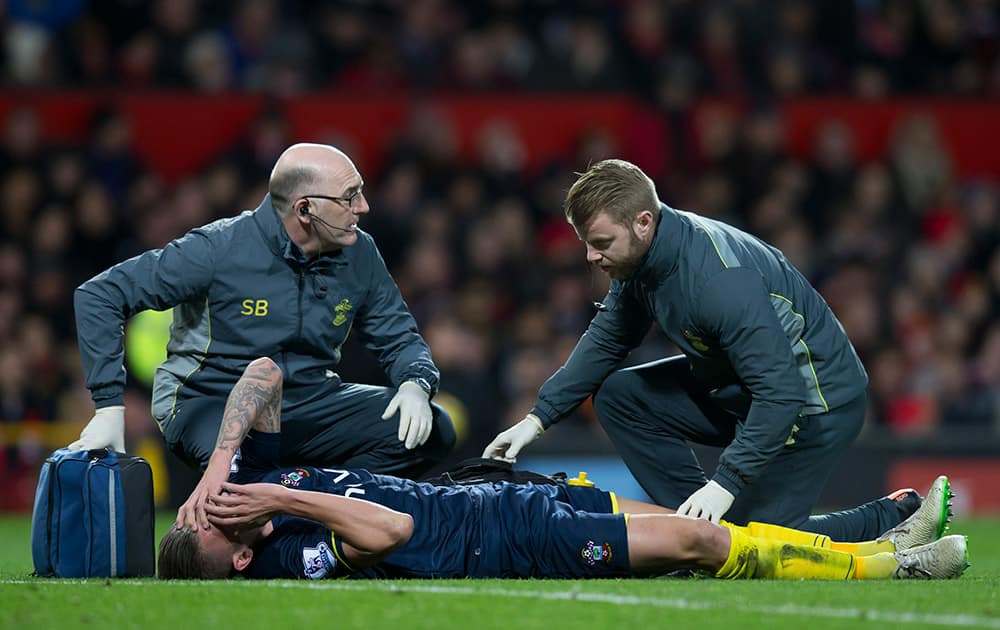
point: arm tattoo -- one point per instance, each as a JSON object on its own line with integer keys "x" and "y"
{"x": 255, "y": 402}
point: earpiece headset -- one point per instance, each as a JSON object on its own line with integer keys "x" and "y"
{"x": 304, "y": 210}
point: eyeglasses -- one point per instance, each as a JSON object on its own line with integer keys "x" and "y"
{"x": 348, "y": 200}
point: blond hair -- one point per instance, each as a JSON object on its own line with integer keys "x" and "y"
{"x": 616, "y": 187}
{"x": 181, "y": 558}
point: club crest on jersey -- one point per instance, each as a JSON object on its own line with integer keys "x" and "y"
{"x": 294, "y": 478}
{"x": 594, "y": 553}
{"x": 318, "y": 561}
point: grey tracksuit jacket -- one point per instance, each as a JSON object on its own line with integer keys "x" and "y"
{"x": 752, "y": 327}
{"x": 241, "y": 289}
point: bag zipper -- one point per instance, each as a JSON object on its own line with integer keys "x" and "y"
{"x": 112, "y": 526}
{"x": 114, "y": 523}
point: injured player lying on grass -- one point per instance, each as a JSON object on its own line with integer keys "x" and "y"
{"x": 314, "y": 523}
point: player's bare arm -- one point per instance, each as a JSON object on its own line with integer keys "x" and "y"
{"x": 253, "y": 403}
{"x": 369, "y": 531}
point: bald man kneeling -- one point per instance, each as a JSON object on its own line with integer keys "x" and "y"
{"x": 289, "y": 281}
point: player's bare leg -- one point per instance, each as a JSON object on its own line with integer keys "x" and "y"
{"x": 661, "y": 543}
{"x": 926, "y": 525}
{"x": 631, "y": 506}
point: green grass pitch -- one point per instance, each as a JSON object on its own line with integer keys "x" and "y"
{"x": 34, "y": 603}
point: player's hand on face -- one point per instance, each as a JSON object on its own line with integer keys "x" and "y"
{"x": 244, "y": 505}
{"x": 509, "y": 443}
{"x": 415, "y": 417}
{"x": 709, "y": 502}
{"x": 192, "y": 513}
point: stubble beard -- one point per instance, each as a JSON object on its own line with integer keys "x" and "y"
{"x": 627, "y": 268}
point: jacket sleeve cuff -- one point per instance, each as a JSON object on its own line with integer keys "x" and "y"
{"x": 107, "y": 397}
{"x": 728, "y": 479}
{"x": 427, "y": 375}
{"x": 544, "y": 413}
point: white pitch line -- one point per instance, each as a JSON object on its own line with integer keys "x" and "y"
{"x": 858, "y": 614}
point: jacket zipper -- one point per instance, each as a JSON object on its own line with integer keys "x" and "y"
{"x": 302, "y": 279}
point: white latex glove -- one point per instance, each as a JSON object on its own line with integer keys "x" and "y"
{"x": 105, "y": 430}
{"x": 415, "y": 417}
{"x": 710, "y": 502}
{"x": 509, "y": 443}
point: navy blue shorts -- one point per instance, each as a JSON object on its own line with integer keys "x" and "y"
{"x": 587, "y": 499}
{"x": 538, "y": 535}
{"x": 580, "y": 498}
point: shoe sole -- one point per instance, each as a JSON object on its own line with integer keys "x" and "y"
{"x": 940, "y": 492}
{"x": 945, "y": 513}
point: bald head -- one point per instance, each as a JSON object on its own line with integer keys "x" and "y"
{"x": 306, "y": 168}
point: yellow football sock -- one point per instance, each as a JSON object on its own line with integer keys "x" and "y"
{"x": 787, "y": 534}
{"x": 751, "y": 557}
{"x": 867, "y": 548}
{"x": 877, "y": 566}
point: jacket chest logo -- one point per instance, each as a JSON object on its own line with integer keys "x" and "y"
{"x": 791, "y": 436}
{"x": 695, "y": 341}
{"x": 341, "y": 312}
{"x": 251, "y": 307}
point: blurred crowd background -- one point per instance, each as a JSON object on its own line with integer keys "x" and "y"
{"x": 903, "y": 245}
{"x": 666, "y": 50}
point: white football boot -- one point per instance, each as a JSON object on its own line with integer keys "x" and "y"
{"x": 943, "y": 559}
{"x": 928, "y": 523}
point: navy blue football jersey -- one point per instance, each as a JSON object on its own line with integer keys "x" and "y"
{"x": 486, "y": 530}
